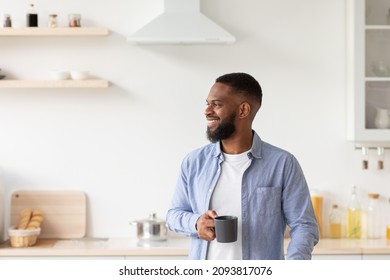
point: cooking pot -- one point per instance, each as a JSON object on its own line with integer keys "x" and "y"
{"x": 151, "y": 229}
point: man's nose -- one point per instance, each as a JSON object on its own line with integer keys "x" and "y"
{"x": 208, "y": 110}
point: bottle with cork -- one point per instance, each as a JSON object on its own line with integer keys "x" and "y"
{"x": 354, "y": 216}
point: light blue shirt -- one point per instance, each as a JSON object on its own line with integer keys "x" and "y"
{"x": 274, "y": 194}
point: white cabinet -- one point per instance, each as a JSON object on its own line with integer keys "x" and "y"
{"x": 368, "y": 65}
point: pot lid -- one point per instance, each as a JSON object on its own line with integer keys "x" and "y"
{"x": 152, "y": 219}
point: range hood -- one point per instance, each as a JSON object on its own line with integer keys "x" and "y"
{"x": 181, "y": 23}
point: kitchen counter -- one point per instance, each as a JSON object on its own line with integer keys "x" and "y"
{"x": 173, "y": 248}
{"x": 352, "y": 246}
{"x": 99, "y": 247}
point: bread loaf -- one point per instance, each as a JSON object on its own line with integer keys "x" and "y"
{"x": 30, "y": 219}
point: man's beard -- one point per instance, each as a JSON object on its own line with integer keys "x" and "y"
{"x": 222, "y": 131}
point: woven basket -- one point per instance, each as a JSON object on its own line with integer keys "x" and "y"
{"x": 23, "y": 237}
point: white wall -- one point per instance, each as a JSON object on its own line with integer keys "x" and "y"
{"x": 123, "y": 145}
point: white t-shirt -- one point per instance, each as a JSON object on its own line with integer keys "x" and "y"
{"x": 226, "y": 200}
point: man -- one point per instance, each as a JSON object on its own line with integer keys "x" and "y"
{"x": 239, "y": 174}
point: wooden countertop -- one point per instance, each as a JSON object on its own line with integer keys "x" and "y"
{"x": 173, "y": 247}
{"x": 99, "y": 247}
{"x": 352, "y": 246}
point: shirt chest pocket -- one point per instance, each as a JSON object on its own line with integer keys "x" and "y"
{"x": 267, "y": 201}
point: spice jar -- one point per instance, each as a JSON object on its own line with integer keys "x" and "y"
{"x": 7, "y": 21}
{"x": 52, "y": 20}
{"x": 74, "y": 20}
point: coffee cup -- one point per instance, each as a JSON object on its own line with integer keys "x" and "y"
{"x": 226, "y": 228}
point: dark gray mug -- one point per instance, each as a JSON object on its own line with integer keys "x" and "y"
{"x": 226, "y": 228}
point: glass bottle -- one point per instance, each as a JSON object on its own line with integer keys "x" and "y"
{"x": 317, "y": 202}
{"x": 32, "y": 17}
{"x": 354, "y": 216}
{"x": 335, "y": 222}
{"x": 374, "y": 226}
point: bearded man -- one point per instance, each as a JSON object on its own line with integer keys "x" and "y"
{"x": 240, "y": 175}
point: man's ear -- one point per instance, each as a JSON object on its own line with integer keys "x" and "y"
{"x": 245, "y": 109}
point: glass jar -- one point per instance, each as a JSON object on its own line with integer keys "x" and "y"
{"x": 7, "y": 21}
{"x": 374, "y": 226}
{"x": 53, "y": 21}
{"x": 74, "y": 20}
{"x": 335, "y": 222}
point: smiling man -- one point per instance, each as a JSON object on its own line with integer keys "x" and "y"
{"x": 238, "y": 174}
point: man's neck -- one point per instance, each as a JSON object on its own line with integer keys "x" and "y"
{"x": 238, "y": 143}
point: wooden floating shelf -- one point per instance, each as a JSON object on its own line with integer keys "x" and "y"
{"x": 54, "y": 84}
{"x": 57, "y": 31}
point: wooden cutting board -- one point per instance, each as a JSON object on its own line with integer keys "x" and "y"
{"x": 65, "y": 212}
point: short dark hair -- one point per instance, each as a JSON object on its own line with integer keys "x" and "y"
{"x": 244, "y": 84}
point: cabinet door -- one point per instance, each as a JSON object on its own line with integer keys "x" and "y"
{"x": 368, "y": 75}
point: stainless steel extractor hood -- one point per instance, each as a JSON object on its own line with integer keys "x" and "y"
{"x": 181, "y": 23}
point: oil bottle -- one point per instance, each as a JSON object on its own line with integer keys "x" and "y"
{"x": 354, "y": 216}
{"x": 32, "y": 17}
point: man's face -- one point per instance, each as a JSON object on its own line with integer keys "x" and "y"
{"x": 220, "y": 113}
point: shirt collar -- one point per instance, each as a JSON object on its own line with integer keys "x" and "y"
{"x": 255, "y": 150}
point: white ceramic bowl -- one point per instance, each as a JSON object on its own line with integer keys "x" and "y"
{"x": 59, "y": 75}
{"x": 79, "y": 75}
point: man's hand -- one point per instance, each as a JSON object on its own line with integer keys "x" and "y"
{"x": 205, "y": 225}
